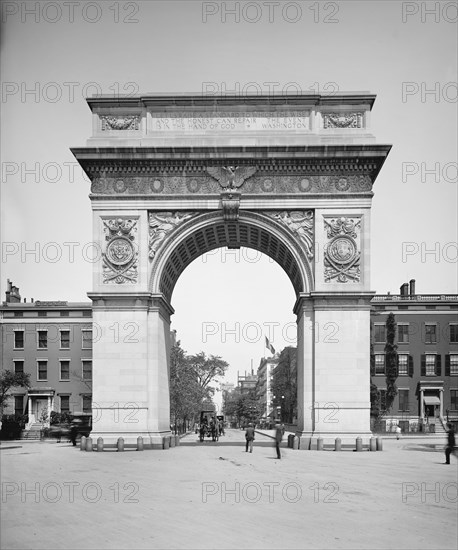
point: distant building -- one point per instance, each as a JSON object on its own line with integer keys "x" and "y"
{"x": 247, "y": 383}
{"x": 427, "y": 340}
{"x": 263, "y": 388}
{"x": 51, "y": 340}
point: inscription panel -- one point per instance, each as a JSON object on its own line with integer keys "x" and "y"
{"x": 254, "y": 121}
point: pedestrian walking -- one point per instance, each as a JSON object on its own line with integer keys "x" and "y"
{"x": 249, "y": 438}
{"x": 279, "y": 431}
{"x": 450, "y": 442}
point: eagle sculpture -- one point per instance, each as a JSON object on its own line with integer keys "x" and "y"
{"x": 231, "y": 177}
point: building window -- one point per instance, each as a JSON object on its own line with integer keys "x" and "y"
{"x": 403, "y": 365}
{"x": 404, "y": 400}
{"x": 18, "y": 405}
{"x": 453, "y": 364}
{"x": 18, "y": 339}
{"x": 64, "y": 314}
{"x": 87, "y": 313}
{"x": 382, "y": 400}
{"x": 64, "y": 403}
{"x": 403, "y": 334}
{"x": 430, "y": 365}
{"x": 87, "y": 370}
{"x": 430, "y": 334}
{"x": 380, "y": 333}
{"x": 42, "y": 339}
{"x": 18, "y": 366}
{"x": 18, "y": 314}
{"x": 64, "y": 370}
{"x": 454, "y": 400}
{"x": 87, "y": 339}
{"x": 379, "y": 364}
{"x": 87, "y": 403}
{"x": 64, "y": 339}
{"x": 42, "y": 314}
{"x": 453, "y": 333}
{"x": 42, "y": 370}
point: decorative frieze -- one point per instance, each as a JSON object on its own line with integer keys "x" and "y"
{"x": 120, "y": 257}
{"x": 201, "y": 184}
{"x": 161, "y": 225}
{"x": 342, "y": 254}
{"x": 120, "y": 122}
{"x": 231, "y": 177}
{"x": 343, "y": 120}
{"x": 300, "y": 223}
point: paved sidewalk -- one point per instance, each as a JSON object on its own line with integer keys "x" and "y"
{"x": 214, "y": 495}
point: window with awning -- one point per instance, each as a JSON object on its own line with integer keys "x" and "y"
{"x": 431, "y": 400}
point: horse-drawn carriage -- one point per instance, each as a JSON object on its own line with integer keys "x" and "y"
{"x": 211, "y": 425}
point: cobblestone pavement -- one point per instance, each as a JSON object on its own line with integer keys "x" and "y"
{"x": 215, "y": 495}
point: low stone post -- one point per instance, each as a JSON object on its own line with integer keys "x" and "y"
{"x": 379, "y": 444}
{"x": 295, "y": 442}
{"x": 89, "y": 444}
{"x": 319, "y": 444}
{"x": 120, "y": 444}
{"x": 99, "y": 444}
{"x": 83, "y": 443}
{"x": 372, "y": 444}
{"x": 359, "y": 444}
{"x": 338, "y": 444}
{"x": 172, "y": 441}
{"x": 166, "y": 442}
{"x": 177, "y": 440}
{"x": 140, "y": 443}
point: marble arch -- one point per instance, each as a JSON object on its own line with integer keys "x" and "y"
{"x": 175, "y": 176}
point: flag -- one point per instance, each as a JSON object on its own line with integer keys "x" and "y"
{"x": 270, "y": 347}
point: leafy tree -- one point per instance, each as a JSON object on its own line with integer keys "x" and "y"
{"x": 284, "y": 384}
{"x": 245, "y": 407}
{"x": 208, "y": 368}
{"x": 10, "y": 379}
{"x": 391, "y": 361}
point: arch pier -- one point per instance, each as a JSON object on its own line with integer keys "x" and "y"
{"x": 175, "y": 176}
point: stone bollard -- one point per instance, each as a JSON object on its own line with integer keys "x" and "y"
{"x": 359, "y": 444}
{"x": 99, "y": 444}
{"x": 319, "y": 444}
{"x": 120, "y": 444}
{"x": 172, "y": 441}
{"x": 166, "y": 442}
{"x": 177, "y": 440}
{"x": 305, "y": 444}
{"x": 295, "y": 442}
{"x": 372, "y": 444}
{"x": 139, "y": 443}
{"x": 379, "y": 444}
{"x": 89, "y": 444}
{"x": 289, "y": 441}
{"x": 338, "y": 444}
{"x": 83, "y": 443}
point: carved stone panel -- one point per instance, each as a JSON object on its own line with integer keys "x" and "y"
{"x": 300, "y": 223}
{"x": 120, "y": 257}
{"x": 342, "y": 253}
{"x": 343, "y": 120}
{"x": 163, "y": 224}
{"x": 114, "y": 122}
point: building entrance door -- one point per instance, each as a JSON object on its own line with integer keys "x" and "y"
{"x": 39, "y": 405}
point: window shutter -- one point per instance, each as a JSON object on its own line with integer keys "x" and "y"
{"x": 372, "y": 365}
{"x": 438, "y": 365}
{"x": 423, "y": 365}
{"x": 447, "y": 365}
{"x": 410, "y": 366}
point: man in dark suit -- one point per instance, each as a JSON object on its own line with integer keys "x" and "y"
{"x": 279, "y": 431}
{"x": 249, "y": 437}
{"x": 450, "y": 443}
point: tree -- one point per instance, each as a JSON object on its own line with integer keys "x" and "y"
{"x": 391, "y": 361}
{"x": 245, "y": 407}
{"x": 208, "y": 368}
{"x": 284, "y": 384}
{"x": 10, "y": 379}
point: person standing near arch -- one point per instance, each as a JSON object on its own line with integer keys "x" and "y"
{"x": 249, "y": 437}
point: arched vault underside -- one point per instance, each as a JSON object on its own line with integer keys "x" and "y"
{"x": 206, "y": 232}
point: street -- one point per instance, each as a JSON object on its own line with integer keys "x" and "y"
{"x": 215, "y": 495}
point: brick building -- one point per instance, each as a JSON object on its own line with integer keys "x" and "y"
{"x": 427, "y": 340}
{"x": 52, "y": 341}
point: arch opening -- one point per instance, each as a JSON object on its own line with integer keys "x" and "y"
{"x": 201, "y": 236}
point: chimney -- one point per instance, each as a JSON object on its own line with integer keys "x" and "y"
{"x": 12, "y": 293}
{"x": 404, "y": 289}
{"x": 412, "y": 287}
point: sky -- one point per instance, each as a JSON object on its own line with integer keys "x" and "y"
{"x": 54, "y": 55}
